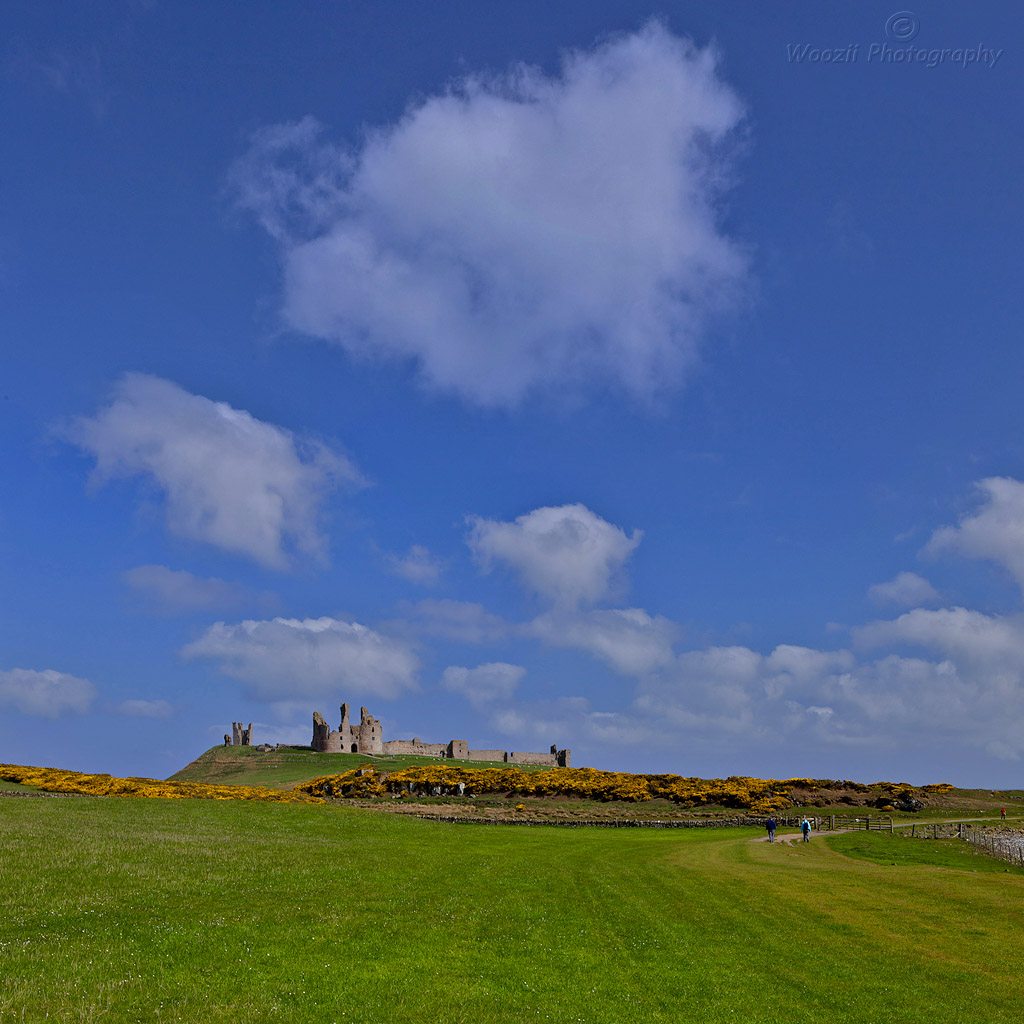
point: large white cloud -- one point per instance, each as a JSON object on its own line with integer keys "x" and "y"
{"x": 520, "y": 231}
{"x": 229, "y": 479}
{"x": 45, "y": 692}
{"x": 995, "y": 531}
{"x": 971, "y": 638}
{"x": 485, "y": 684}
{"x": 566, "y": 554}
{"x": 286, "y": 659}
{"x": 629, "y": 639}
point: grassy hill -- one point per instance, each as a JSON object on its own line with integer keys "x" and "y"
{"x": 287, "y": 766}
{"x": 204, "y": 911}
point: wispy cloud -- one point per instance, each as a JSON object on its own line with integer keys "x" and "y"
{"x": 229, "y": 479}
{"x": 145, "y": 709}
{"x": 485, "y": 684}
{"x": 45, "y": 692}
{"x": 906, "y": 589}
{"x": 176, "y": 590}
{"x": 418, "y": 565}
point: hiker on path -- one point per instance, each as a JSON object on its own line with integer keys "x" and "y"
{"x": 805, "y": 827}
{"x": 770, "y": 825}
{"x": 1002, "y": 813}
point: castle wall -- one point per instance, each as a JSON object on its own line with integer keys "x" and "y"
{"x": 368, "y": 738}
{"x": 415, "y": 746}
{"x": 521, "y": 757}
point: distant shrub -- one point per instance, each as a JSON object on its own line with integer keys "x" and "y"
{"x": 57, "y": 780}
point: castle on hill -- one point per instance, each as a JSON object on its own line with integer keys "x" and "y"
{"x": 367, "y": 737}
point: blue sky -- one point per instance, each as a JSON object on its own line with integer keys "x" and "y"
{"x": 641, "y": 380}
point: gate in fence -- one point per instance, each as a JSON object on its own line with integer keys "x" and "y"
{"x": 867, "y": 822}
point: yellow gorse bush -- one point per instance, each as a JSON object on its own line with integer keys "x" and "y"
{"x": 760, "y": 796}
{"x": 57, "y": 780}
{"x": 738, "y": 792}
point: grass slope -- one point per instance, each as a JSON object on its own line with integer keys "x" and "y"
{"x": 903, "y": 851}
{"x": 247, "y": 766}
{"x": 196, "y": 911}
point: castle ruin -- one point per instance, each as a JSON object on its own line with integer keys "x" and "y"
{"x": 240, "y": 736}
{"x": 367, "y": 737}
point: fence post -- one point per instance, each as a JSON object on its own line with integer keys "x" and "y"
{"x": 912, "y": 827}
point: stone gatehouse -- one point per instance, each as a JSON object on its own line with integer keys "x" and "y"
{"x": 367, "y": 737}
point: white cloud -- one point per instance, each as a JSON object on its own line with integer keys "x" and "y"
{"x": 46, "y": 693}
{"x": 494, "y": 681}
{"x": 176, "y": 590}
{"x": 229, "y": 479}
{"x": 971, "y": 638}
{"x": 737, "y": 691}
{"x": 417, "y": 566}
{"x": 284, "y": 659}
{"x": 567, "y": 554}
{"x": 629, "y": 639}
{"x": 558, "y": 720}
{"x": 906, "y": 589}
{"x": 995, "y": 532}
{"x": 145, "y": 709}
{"x": 518, "y": 232}
{"x": 465, "y": 621}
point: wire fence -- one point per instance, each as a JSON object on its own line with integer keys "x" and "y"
{"x": 1004, "y": 845}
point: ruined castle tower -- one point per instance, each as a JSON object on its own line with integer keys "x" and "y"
{"x": 323, "y": 738}
{"x": 347, "y": 739}
{"x": 371, "y": 736}
{"x": 241, "y": 737}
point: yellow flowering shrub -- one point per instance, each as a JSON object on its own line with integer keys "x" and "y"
{"x": 737, "y": 792}
{"x": 57, "y": 780}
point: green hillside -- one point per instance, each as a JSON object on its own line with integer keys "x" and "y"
{"x": 282, "y": 769}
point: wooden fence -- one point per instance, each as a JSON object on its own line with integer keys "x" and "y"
{"x": 868, "y": 822}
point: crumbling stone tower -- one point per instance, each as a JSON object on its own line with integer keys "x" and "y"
{"x": 241, "y": 737}
{"x": 371, "y": 736}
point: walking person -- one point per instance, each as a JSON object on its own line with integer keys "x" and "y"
{"x": 770, "y": 825}
{"x": 805, "y": 828}
{"x": 1002, "y": 813}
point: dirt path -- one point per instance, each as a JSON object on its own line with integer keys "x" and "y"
{"x": 795, "y": 837}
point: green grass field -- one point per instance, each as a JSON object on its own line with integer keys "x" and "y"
{"x": 160, "y": 910}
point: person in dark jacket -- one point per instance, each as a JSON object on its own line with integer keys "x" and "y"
{"x": 770, "y": 825}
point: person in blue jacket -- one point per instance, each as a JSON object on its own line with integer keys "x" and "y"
{"x": 770, "y": 825}
{"x": 805, "y": 827}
